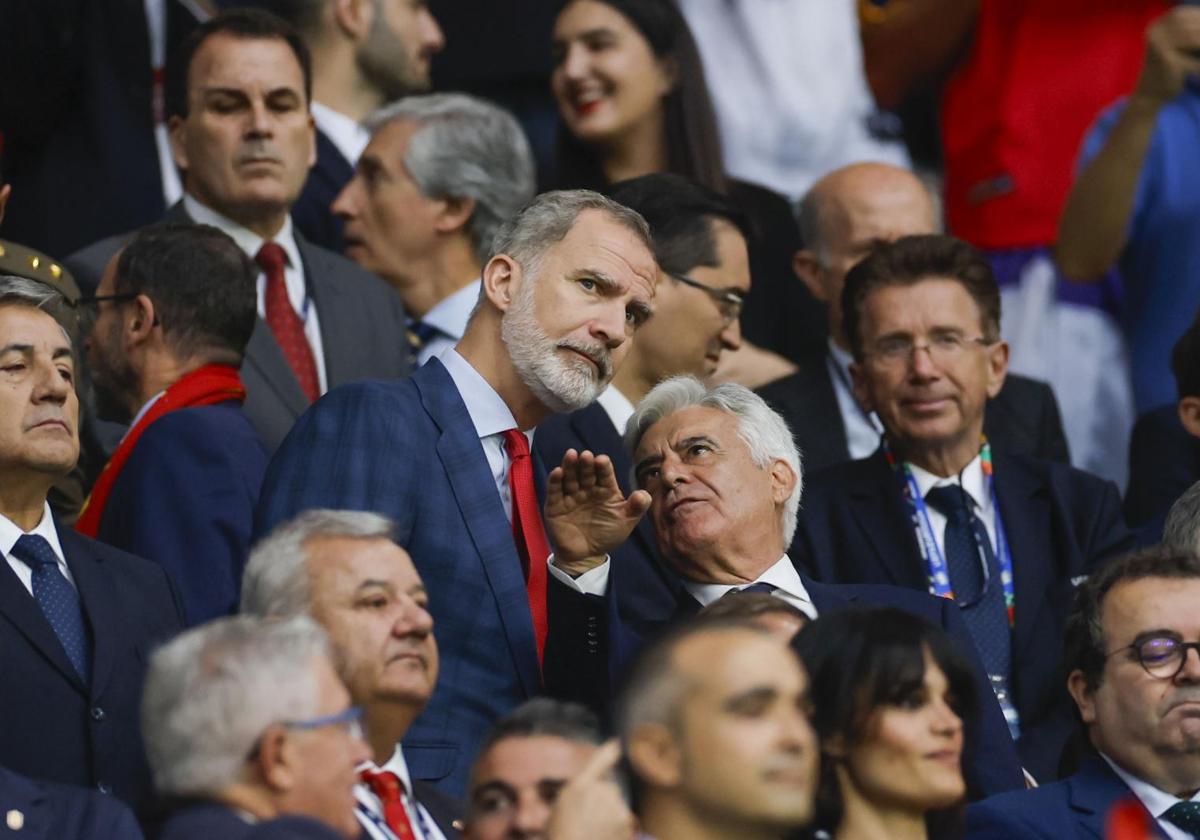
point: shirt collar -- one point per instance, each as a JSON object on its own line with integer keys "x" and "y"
{"x": 346, "y": 133}
{"x": 396, "y": 764}
{"x": 617, "y": 406}
{"x": 1157, "y": 802}
{"x": 246, "y": 239}
{"x": 141, "y": 412}
{"x": 972, "y": 482}
{"x": 490, "y": 415}
{"x": 783, "y": 576}
{"x": 450, "y": 314}
{"x": 840, "y": 358}
{"x": 10, "y": 533}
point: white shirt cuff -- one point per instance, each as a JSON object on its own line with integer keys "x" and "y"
{"x": 593, "y": 582}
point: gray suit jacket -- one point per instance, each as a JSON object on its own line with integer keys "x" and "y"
{"x": 362, "y": 330}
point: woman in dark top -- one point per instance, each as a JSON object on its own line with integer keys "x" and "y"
{"x": 633, "y": 100}
{"x": 889, "y": 693}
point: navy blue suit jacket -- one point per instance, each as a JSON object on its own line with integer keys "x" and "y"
{"x": 311, "y": 213}
{"x": 1164, "y": 461}
{"x": 1060, "y": 524}
{"x": 61, "y": 812}
{"x": 186, "y": 498}
{"x": 57, "y": 728}
{"x": 209, "y": 820}
{"x": 407, "y": 449}
{"x": 1073, "y": 809}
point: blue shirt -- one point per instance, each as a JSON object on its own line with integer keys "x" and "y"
{"x": 1161, "y": 261}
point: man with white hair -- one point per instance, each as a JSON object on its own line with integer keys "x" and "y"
{"x": 721, "y": 478}
{"x": 248, "y": 721}
{"x": 446, "y": 454}
{"x": 439, "y": 177}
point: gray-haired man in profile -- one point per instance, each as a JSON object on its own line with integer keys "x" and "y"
{"x": 440, "y": 175}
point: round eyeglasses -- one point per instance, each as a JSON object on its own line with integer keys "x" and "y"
{"x": 1161, "y": 656}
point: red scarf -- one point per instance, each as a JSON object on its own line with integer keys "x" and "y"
{"x": 203, "y": 386}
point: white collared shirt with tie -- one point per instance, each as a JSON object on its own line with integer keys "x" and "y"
{"x": 423, "y": 825}
{"x": 10, "y": 533}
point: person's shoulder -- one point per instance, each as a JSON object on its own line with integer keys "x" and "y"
{"x": 1055, "y": 473}
{"x": 1024, "y": 812}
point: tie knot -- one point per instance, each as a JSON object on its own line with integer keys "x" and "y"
{"x": 764, "y": 588}
{"x": 385, "y": 784}
{"x": 951, "y": 501}
{"x": 516, "y": 444}
{"x": 271, "y": 257}
{"x": 1186, "y": 815}
{"x": 34, "y": 551}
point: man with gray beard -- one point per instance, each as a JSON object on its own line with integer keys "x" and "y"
{"x": 445, "y": 454}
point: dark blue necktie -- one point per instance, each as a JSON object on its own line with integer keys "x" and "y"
{"x": 419, "y": 334}
{"x": 58, "y": 599}
{"x": 983, "y": 611}
{"x": 764, "y": 588}
{"x": 1186, "y": 815}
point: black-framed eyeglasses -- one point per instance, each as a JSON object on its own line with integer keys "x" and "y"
{"x": 1161, "y": 656}
{"x": 92, "y": 300}
{"x": 730, "y": 303}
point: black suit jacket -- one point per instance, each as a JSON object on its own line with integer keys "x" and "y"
{"x": 1023, "y": 417}
{"x": 311, "y": 213}
{"x": 1061, "y": 523}
{"x": 61, "y": 812}
{"x": 1164, "y": 461}
{"x": 362, "y": 332}
{"x": 210, "y": 820}
{"x": 57, "y": 728}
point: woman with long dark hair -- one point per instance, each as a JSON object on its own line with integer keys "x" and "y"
{"x": 889, "y": 693}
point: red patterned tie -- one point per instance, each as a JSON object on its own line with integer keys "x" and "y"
{"x": 285, "y": 324}
{"x": 528, "y": 532}
{"x": 387, "y": 786}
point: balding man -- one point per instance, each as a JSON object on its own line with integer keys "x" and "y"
{"x": 841, "y": 217}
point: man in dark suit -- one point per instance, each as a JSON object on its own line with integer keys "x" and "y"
{"x": 934, "y": 508}
{"x": 721, "y": 475}
{"x": 245, "y": 721}
{"x": 172, "y": 317}
{"x": 1135, "y": 684}
{"x": 46, "y": 811}
{"x": 238, "y": 93}
{"x": 77, "y": 617}
{"x": 446, "y": 454}
{"x": 328, "y": 564}
{"x": 841, "y": 217}
{"x": 365, "y": 55}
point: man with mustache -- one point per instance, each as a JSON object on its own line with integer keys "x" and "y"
{"x": 76, "y": 616}
{"x": 238, "y": 93}
{"x": 1136, "y": 684}
{"x": 446, "y": 455}
{"x": 343, "y": 569}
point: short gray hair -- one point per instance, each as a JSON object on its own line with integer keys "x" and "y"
{"x": 34, "y": 294}
{"x": 466, "y": 147}
{"x": 1182, "y": 528}
{"x": 549, "y": 218}
{"x": 275, "y": 582}
{"x": 764, "y": 432}
{"x": 211, "y": 693}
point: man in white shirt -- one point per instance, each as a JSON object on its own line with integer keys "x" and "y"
{"x": 440, "y": 175}
{"x": 365, "y": 54}
{"x": 343, "y": 569}
{"x": 1136, "y": 683}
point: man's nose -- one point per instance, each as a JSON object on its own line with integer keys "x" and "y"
{"x": 731, "y": 335}
{"x": 345, "y": 206}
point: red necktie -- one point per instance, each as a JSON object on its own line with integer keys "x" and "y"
{"x": 386, "y": 785}
{"x": 528, "y": 532}
{"x": 285, "y": 324}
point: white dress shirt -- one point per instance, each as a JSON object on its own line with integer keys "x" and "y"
{"x": 293, "y": 274}
{"x": 973, "y": 483}
{"x": 346, "y": 133}
{"x": 10, "y": 533}
{"x": 783, "y": 576}
{"x": 617, "y": 406}
{"x": 862, "y": 429}
{"x": 419, "y": 818}
{"x": 1157, "y": 802}
{"x": 449, "y": 316}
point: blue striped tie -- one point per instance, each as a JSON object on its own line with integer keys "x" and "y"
{"x": 58, "y": 599}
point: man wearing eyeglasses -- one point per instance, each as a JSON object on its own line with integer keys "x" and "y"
{"x": 1007, "y": 537}
{"x": 1133, "y": 654}
{"x": 700, "y": 245}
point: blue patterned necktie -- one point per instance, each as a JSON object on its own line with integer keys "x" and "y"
{"x": 419, "y": 333}
{"x": 764, "y": 588}
{"x": 58, "y": 599}
{"x": 1186, "y": 815}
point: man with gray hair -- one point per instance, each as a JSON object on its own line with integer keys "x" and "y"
{"x": 441, "y": 174}
{"x": 246, "y": 721}
{"x": 720, "y": 476}
{"x": 1181, "y": 531}
{"x": 446, "y": 454}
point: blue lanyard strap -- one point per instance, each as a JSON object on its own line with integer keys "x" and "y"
{"x": 931, "y": 554}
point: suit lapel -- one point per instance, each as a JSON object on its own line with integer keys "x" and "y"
{"x": 1093, "y": 792}
{"x": 474, "y": 489}
{"x": 1026, "y": 519}
{"x": 825, "y": 597}
{"x": 99, "y": 603}
{"x": 337, "y": 318}
{"x": 27, "y": 798}
{"x": 881, "y": 513}
{"x": 823, "y": 423}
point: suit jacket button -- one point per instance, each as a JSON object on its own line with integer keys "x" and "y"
{"x": 97, "y": 713}
{"x": 104, "y": 787}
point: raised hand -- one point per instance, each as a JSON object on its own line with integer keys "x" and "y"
{"x": 587, "y": 515}
{"x": 1172, "y": 54}
{"x": 590, "y": 806}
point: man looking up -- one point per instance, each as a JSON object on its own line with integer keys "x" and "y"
{"x": 440, "y": 176}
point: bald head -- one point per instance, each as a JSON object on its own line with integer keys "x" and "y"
{"x": 845, "y": 214}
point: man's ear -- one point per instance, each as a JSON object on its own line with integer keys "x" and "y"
{"x": 454, "y": 215}
{"x": 501, "y": 278}
{"x": 1189, "y": 415}
{"x": 1082, "y": 695}
{"x": 655, "y": 756}
{"x": 141, "y": 321}
{"x": 807, "y": 267}
{"x": 273, "y": 759}
{"x": 997, "y": 367}
{"x": 353, "y": 18}
{"x": 783, "y": 480}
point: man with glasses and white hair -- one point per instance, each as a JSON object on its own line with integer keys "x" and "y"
{"x": 439, "y": 177}
{"x": 343, "y": 569}
{"x": 1133, "y": 658}
{"x": 446, "y": 455}
{"x": 720, "y": 475}
{"x": 939, "y": 508}
{"x": 245, "y": 720}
